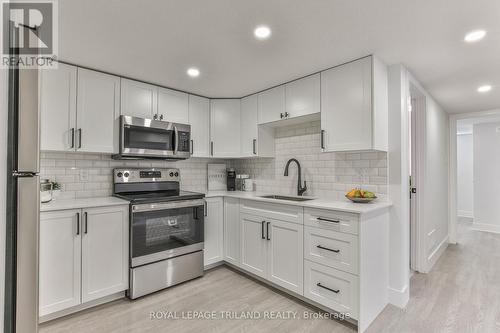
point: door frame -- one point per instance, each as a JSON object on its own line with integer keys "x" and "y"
{"x": 452, "y": 174}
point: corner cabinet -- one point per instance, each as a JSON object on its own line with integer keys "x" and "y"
{"x": 83, "y": 257}
{"x": 354, "y": 106}
{"x": 256, "y": 140}
{"x": 225, "y": 128}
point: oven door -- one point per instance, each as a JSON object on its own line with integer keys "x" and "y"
{"x": 164, "y": 230}
{"x": 141, "y": 137}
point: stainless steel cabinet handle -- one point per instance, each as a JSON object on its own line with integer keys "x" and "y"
{"x": 255, "y": 146}
{"x": 211, "y": 148}
{"x": 330, "y": 289}
{"x": 79, "y": 138}
{"x": 77, "y": 224}
{"x": 327, "y": 220}
{"x": 267, "y": 231}
{"x": 262, "y": 229}
{"x": 325, "y": 248}
{"x": 86, "y": 222}
{"x": 322, "y": 139}
{"x": 72, "y": 137}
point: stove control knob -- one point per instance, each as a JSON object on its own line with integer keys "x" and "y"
{"x": 119, "y": 175}
{"x": 126, "y": 174}
{"x": 171, "y": 174}
{"x": 176, "y": 174}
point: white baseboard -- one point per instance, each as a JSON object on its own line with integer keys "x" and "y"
{"x": 466, "y": 214}
{"x": 486, "y": 227}
{"x": 399, "y": 298}
{"x": 436, "y": 254}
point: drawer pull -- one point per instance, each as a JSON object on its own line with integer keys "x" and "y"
{"x": 330, "y": 289}
{"x": 327, "y": 220}
{"x": 325, "y": 248}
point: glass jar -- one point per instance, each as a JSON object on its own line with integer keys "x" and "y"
{"x": 45, "y": 190}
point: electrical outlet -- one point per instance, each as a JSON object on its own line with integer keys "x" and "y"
{"x": 84, "y": 175}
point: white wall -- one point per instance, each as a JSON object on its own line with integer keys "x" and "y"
{"x": 3, "y": 183}
{"x": 435, "y": 195}
{"x": 465, "y": 182}
{"x": 486, "y": 177}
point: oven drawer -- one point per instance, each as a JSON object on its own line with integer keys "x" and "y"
{"x": 332, "y": 288}
{"x": 331, "y": 248}
{"x": 332, "y": 220}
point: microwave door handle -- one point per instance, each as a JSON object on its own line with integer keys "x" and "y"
{"x": 176, "y": 140}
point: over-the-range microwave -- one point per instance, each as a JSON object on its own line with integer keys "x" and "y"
{"x": 149, "y": 138}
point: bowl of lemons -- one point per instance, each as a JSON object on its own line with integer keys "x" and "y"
{"x": 360, "y": 196}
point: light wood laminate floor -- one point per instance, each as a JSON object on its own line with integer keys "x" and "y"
{"x": 461, "y": 294}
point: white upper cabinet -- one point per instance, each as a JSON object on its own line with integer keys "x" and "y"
{"x": 58, "y": 108}
{"x": 173, "y": 106}
{"x": 225, "y": 127}
{"x": 98, "y": 110}
{"x": 199, "y": 118}
{"x": 138, "y": 99}
{"x": 303, "y": 96}
{"x": 249, "y": 127}
{"x": 272, "y": 105}
{"x": 354, "y": 106}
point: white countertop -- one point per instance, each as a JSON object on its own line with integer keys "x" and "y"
{"x": 62, "y": 204}
{"x": 320, "y": 203}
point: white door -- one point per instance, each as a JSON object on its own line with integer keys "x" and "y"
{"x": 253, "y": 244}
{"x": 232, "y": 245}
{"x": 346, "y": 109}
{"x": 60, "y": 260}
{"x": 138, "y": 99}
{"x": 286, "y": 255}
{"x": 249, "y": 129}
{"x": 58, "y": 108}
{"x": 98, "y": 111}
{"x": 214, "y": 233}
{"x": 173, "y": 106}
{"x": 104, "y": 251}
{"x": 271, "y": 105}
{"x": 225, "y": 127}
{"x": 303, "y": 96}
{"x": 199, "y": 118}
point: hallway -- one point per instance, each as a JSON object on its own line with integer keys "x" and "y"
{"x": 461, "y": 294}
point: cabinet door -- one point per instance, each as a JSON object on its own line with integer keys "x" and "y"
{"x": 199, "y": 118}
{"x": 58, "y": 108}
{"x": 253, "y": 244}
{"x": 214, "y": 233}
{"x": 138, "y": 99}
{"x": 98, "y": 110}
{"x": 232, "y": 245}
{"x": 104, "y": 252}
{"x": 60, "y": 261}
{"x": 225, "y": 127}
{"x": 303, "y": 96}
{"x": 271, "y": 104}
{"x": 286, "y": 255}
{"x": 346, "y": 110}
{"x": 249, "y": 129}
{"x": 173, "y": 106}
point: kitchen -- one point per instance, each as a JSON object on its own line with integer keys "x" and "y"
{"x": 155, "y": 191}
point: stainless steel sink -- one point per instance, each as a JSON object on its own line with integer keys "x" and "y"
{"x": 284, "y": 197}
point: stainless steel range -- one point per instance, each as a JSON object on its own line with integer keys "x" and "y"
{"x": 166, "y": 228}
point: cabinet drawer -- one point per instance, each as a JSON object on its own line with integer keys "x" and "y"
{"x": 331, "y": 248}
{"x": 332, "y": 288}
{"x": 286, "y": 213}
{"x": 331, "y": 220}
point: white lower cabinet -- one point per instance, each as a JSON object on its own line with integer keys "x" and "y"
{"x": 83, "y": 256}
{"x": 253, "y": 244}
{"x": 232, "y": 231}
{"x": 214, "y": 230}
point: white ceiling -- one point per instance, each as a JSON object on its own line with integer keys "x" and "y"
{"x": 157, "y": 40}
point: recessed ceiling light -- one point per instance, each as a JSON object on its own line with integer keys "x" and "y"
{"x": 193, "y": 72}
{"x": 484, "y": 89}
{"x": 262, "y": 32}
{"x": 474, "y": 36}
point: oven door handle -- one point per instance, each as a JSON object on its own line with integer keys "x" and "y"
{"x": 166, "y": 205}
{"x": 176, "y": 142}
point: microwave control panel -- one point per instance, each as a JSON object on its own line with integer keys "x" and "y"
{"x": 184, "y": 141}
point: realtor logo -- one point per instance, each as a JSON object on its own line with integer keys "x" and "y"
{"x": 29, "y": 31}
